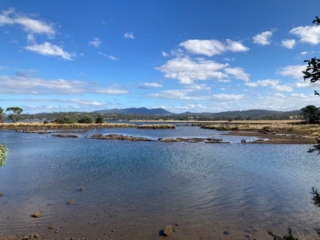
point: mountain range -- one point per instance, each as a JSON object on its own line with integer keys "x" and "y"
{"x": 163, "y": 112}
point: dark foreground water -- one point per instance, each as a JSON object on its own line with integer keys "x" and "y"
{"x": 132, "y": 190}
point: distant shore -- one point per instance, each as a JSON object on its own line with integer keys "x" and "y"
{"x": 271, "y": 131}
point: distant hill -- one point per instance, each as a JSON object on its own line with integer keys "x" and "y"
{"x": 138, "y": 111}
{"x": 253, "y": 113}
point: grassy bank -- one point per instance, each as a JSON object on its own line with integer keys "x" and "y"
{"x": 48, "y": 126}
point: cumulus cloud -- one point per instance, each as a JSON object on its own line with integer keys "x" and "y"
{"x": 236, "y": 46}
{"x": 152, "y": 84}
{"x": 274, "y": 84}
{"x": 38, "y": 86}
{"x": 95, "y": 42}
{"x": 182, "y": 94}
{"x": 237, "y": 73}
{"x": 212, "y": 47}
{"x": 227, "y": 97}
{"x": 164, "y": 54}
{"x": 293, "y": 71}
{"x": 262, "y": 38}
{"x": 108, "y": 56}
{"x": 187, "y": 70}
{"x": 288, "y": 43}
{"x": 28, "y": 24}
{"x": 128, "y": 35}
{"x": 308, "y": 34}
{"x": 49, "y": 49}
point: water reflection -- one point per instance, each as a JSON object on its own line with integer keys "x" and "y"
{"x": 3, "y": 155}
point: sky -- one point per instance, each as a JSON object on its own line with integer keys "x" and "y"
{"x": 180, "y": 55}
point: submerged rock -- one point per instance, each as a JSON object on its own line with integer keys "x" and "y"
{"x": 167, "y": 230}
{"x": 157, "y": 126}
{"x": 72, "y": 201}
{"x": 1, "y": 194}
{"x": 119, "y": 137}
{"x": 36, "y": 215}
{"x": 65, "y": 135}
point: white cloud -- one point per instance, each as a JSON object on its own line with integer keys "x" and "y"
{"x": 197, "y": 87}
{"x": 128, "y": 35}
{"x": 164, "y": 54}
{"x": 238, "y": 73}
{"x": 49, "y": 49}
{"x": 308, "y": 34}
{"x": 38, "y": 86}
{"x": 227, "y": 97}
{"x": 262, "y": 38}
{"x": 205, "y": 47}
{"x": 293, "y": 71}
{"x": 28, "y": 24}
{"x": 95, "y": 42}
{"x": 152, "y": 84}
{"x": 236, "y": 46}
{"x": 182, "y": 94}
{"x": 212, "y": 47}
{"x": 274, "y": 84}
{"x": 288, "y": 43}
{"x": 187, "y": 70}
{"x": 304, "y": 53}
{"x": 108, "y": 56}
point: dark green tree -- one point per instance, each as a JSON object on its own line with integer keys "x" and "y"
{"x": 310, "y": 113}
{"x": 85, "y": 119}
{"x": 99, "y": 119}
{"x": 65, "y": 120}
{"x": 15, "y": 115}
{"x": 1, "y": 115}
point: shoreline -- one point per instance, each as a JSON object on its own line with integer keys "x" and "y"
{"x": 267, "y": 132}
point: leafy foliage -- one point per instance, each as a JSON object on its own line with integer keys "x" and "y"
{"x": 3, "y": 154}
{"x": 1, "y": 115}
{"x": 85, "y": 119}
{"x": 310, "y": 113}
{"x": 15, "y": 116}
{"x": 99, "y": 119}
{"x": 64, "y": 120}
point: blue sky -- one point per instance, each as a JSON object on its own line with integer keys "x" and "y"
{"x": 198, "y": 56}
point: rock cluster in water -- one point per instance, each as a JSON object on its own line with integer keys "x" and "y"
{"x": 157, "y": 126}
{"x": 119, "y": 137}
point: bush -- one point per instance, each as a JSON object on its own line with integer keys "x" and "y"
{"x": 99, "y": 119}
{"x": 85, "y": 119}
{"x": 45, "y": 121}
{"x": 64, "y": 119}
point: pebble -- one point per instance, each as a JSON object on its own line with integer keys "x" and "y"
{"x": 36, "y": 215}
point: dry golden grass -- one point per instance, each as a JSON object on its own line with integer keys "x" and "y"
{"x": 42, "y": 126}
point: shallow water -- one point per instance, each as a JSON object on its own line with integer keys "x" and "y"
{"x": 205, "y": 191}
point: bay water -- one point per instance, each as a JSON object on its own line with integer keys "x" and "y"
{"x": 132, "y": 190}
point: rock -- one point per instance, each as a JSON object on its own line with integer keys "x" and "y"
{"x": 81, "y": 189}
{"x": 243, "y": 141}
{"x": 167, "y": 230}
{"x": 36, "y": 215}
{"x": 1, "y": 194}
{"x": 51, "y": 227}
{"x": 72, "y": 201}
{"x": 315, "y": 134}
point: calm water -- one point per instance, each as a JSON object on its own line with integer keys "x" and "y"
{"x": 205, "y": 191}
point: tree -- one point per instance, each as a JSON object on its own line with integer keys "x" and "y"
{"x": 15, "y": 116}
{"x": 85, "y": 119}
{"x": 310, "y": 113}
{"x": 99, "y": 119}
{"x": 1, "y": 115}
{"x": 64, "y": 119}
